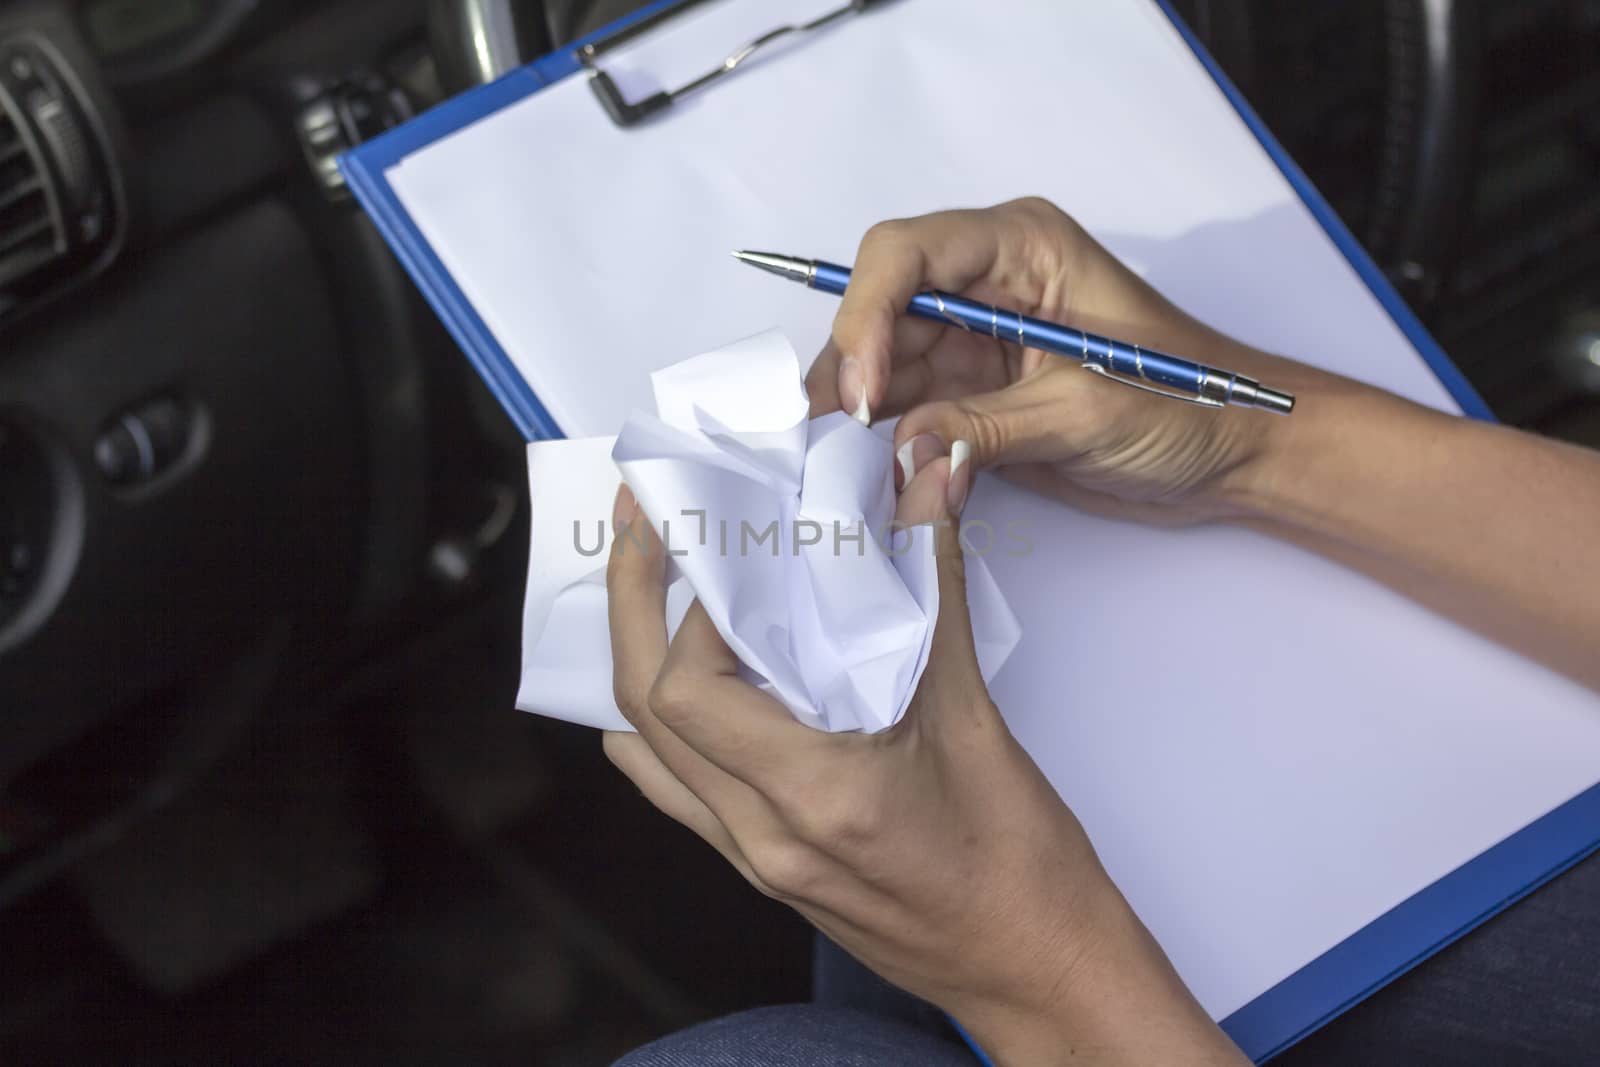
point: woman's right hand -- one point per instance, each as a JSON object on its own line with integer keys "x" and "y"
{"x": 1038, "y": 418}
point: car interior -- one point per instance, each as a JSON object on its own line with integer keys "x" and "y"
{"x": 264, "y": 794}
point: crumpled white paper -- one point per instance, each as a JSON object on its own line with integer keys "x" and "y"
{"x": 784, "y": 529}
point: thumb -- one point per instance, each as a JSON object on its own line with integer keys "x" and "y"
{"x": 1022, "y": 422}
{"x": 952, "y": 693}
{"x": 924, "y": 510}
{"x": 952, "y": 681}
{"x": 863, "y": 337}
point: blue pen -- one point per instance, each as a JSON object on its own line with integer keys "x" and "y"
{"x": 1140, "y": 368}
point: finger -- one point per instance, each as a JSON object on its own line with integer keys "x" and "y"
{"x": 746, "y": 814}
{"x": 1028, "y": 420}
{"x": 822, "y": 382}
{"x": 634, "y": 757}
{"x": 896, "y": 260}
{"x": 924, "y": 500}
{"x": 735, "y": 727}
{"x": 913, "y": 338}
{"x": 952, "y": 674}
{"x": 636, "y": 602}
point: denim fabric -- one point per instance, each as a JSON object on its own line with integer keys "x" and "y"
{"x": 857, "y": 1020}
{"x": 1523, "y": 989}
{"x": 802, "y": 1035}
{"x": 838, "y": 981}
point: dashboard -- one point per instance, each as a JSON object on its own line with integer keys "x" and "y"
{"x": 142, "y": 39}
{"x": 118, "y": 28}
{"x": 222, "y": 407}
{"x": 225, "y": 414}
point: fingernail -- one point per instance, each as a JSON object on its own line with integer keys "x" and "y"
{"x": 853, "y": 391}
{"x": 917, "y": 453}
{"x": 907, "y": 458}
{"x": 925, "y": 448}
{"x": 626, "y": 508}
{"x": 960, "y": 476}
{"x": 863, "y": 413}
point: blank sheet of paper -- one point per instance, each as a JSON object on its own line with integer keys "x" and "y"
{"x": 1309, "y": 750}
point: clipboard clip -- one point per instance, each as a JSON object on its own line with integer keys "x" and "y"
{"x": 626, "y": 114}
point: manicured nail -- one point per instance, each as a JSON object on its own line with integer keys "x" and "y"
{"x": 960, "y": 476}
{"x": 853, "y": 392}
{"x": 907, "y": 458}
{"x": 625, "y": 510}
{"x": 917, "y": 453}
{"x": 925, "y": 448}
{"x": 863, "y": 413}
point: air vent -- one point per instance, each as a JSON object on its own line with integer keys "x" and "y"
{"x": 31, "y": 232}
{"x": 62, "y": 211}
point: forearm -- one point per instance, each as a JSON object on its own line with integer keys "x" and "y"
{"x": 1122, "y": 1005}
{"x": 1484, "y": 524}
{"x": 1094, "y": 987}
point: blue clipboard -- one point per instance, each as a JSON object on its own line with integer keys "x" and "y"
{"x": 1343, "y": 976}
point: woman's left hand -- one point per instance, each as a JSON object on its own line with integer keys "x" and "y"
{"x": 935, "y": 852}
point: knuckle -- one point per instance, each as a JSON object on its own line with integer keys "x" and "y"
{"x": 631, "y": 700}
{"x": 945, "y": 419}
{"x": 788, "y": 869}
{"x": 839, "y": 813}
{"x": 844, "y": 825}
{"x": 1040, "y": 209}
{"x": 755, "y": 881}
{"x": 889, "y": 232}
{"x": 673, "y": 699}
{"x": 1036, "y": 205}
{"x": 985, "y": 432}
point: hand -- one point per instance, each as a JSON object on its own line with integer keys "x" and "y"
{"x": 935, "y": 852}
{"x": 1039, "y": 418}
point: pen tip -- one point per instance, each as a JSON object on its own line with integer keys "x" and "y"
{"x": 784, "y": 266}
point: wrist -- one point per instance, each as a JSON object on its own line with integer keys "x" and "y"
{"x": 1115, "y": 999}
{"x": 1284, "y": 463}
{"x": 1336, "y": 463}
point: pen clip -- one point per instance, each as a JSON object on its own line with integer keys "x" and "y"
{"x": 1205, "y": 402}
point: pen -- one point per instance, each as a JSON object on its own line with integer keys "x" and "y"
{"x": 1131, "y": 365}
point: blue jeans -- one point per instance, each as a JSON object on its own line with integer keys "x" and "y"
{"x": 855, "y": 1020}
{"x": 1523, "y": 989}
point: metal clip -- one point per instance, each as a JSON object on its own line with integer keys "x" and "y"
{"x": 1204, "y": 402}
{"x": 938, "y": 299}
{"x": 627, "y": 113}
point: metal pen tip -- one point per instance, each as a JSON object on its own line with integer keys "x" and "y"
{"x": 796, "y": 270}
{"x": 1249, "y": 393}
{"x": 1275, "y": 401}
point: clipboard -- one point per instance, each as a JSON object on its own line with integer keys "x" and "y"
{"x": 1329, "y": 984}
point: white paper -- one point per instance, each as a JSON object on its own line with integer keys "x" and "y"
{"x": 1268, "y": 750}
{"x": 783, "y": 528}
